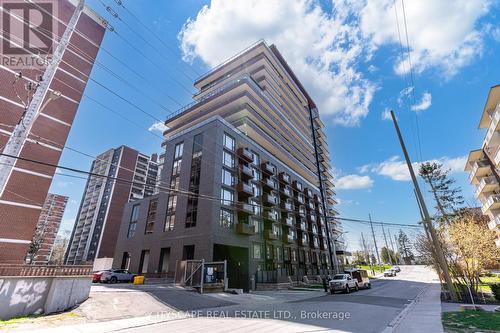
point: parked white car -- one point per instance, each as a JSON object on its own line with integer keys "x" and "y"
{"x": 117, "y": 275}
{"x": 343, "y": 282}
{"x": 389, "y": 272}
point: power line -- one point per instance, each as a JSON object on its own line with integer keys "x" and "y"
{"x": 137, "y": 19}
{"x": 181, "y": 192}
{"x": 411, "y": 75}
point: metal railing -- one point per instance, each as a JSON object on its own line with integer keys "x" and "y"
{"x": 44, "y": 270}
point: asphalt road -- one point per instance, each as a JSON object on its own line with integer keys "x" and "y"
{"x": 368, "y": 310}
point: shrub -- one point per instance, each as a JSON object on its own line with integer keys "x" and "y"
{"x": 495, "y": 289}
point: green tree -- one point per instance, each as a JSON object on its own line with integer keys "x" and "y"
{"x": 405, "y": 247}
{"x": 359, "y": 258}
{"x": 448, "y": 197}
{"x": 388, "y": 256}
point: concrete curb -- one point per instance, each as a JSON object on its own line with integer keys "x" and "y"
{"x": 396, "y": 321}
{"x": 109, "y": 326}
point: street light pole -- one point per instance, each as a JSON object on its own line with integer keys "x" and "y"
{"x": 427, "y": 218}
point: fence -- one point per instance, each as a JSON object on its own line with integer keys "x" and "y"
{"x": 13, "y": 270}
{"x": 201, "y": 274}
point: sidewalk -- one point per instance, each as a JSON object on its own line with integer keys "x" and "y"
{"x": 423, "y": 315}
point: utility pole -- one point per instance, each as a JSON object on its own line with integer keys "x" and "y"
{"x": 374, "y": 240}
{"x": 387, "y": 246}
{"x": 433, "y": 252}
{"x": 367, "y": 253}
{"x": 427, "y": 219}
{"x": 392, "y": 247}
{"x": 20, "y": 133}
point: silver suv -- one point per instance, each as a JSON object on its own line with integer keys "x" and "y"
{"x": 343, "y": 282}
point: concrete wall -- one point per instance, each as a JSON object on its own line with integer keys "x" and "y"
{"x": 21, "y": 296}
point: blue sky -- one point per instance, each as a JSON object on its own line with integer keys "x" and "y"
{"x": 348, "y": 56}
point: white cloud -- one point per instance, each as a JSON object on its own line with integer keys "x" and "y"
{"x": 396, "y": 168}
{"x": 159, "y": 126}
{"x": 353, "y": 182}
{"x": 324, "y": 49}
{"x": 442, "y": 34}
{"x": 424, "y": 103}
{"x": 386, "y": 114}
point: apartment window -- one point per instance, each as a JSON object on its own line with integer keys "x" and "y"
{"x": 228, "y": 159}
{"x": 277, "y": 253}
{"x": 257, "y": 209}
{"x": 294, "y": 254}
{"x": 179, "y": 148}
{"x": 256, "y": 158}
{"x": 174, "y": 183}
{"x": 227, "y": 197}
{"x": 229, "y": 142}
{"x": 170, "y": 217}
{"x": 194, "y": 181}
{"x": 257, "y": 225}
{"x": 176, "y": 168}
{"x": 227, "y": 177}
{"x": 286, "y": 254}
{"x": 226, "y": 218}
{"x": 134, "y": 217}
{"x": 269, "y": 252}
{"x": 169, "y": 222}
{"x": 256, "y": 190}
{"x": 188, "y": 252}
{"x": 150, "y": 221}
{"x": 257, "y": 251}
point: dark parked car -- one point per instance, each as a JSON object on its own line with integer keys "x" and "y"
{"x": 117, "y": 275}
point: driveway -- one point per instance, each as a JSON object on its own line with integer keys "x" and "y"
{"x": 160, "y": 308}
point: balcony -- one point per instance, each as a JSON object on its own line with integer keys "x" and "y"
{"x": 300, "y": 198}
{"x": 486, "y": 184}
{"x": 246, "y": 172}
{"x": 493, "y": 127}
{"x": 315, "y": 243}
{"x": 289, "y": 220}
{"x": 314, "y": 230}
{"x": 245, "y": 154}
{"x": 303, "y": 240}
{"x": 289, "y": 238}
{"x": 271, "y": 234}
{"x": 301, "y": 225}
{"x": 244, "y": 209}
{"x": 491, "y": 202}
{"x": 494, "y": 223}
{"x": 286, "y": 191}
{"x": 317, "y": 199}
{"x": 245, "y": 229}
{"x": 287, "y": 205}
{"x": 271, "y": 215}
{"x": 284, "y": 178}
{"x": 479, "y": 168}
{"x": 268, "y": 168}
{"x": 269, "y": 199}
{"x": 301, "y": 210}
{"x": 269, "y": 184}
{"x": 244, "y": 190}
{"x": 297, "y": 186}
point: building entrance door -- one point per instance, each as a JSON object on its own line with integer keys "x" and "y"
{"x": 237, "y": 264}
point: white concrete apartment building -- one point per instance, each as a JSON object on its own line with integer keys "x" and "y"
{"x": 98, "y": 219}
{"x": 484, "y": 164}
